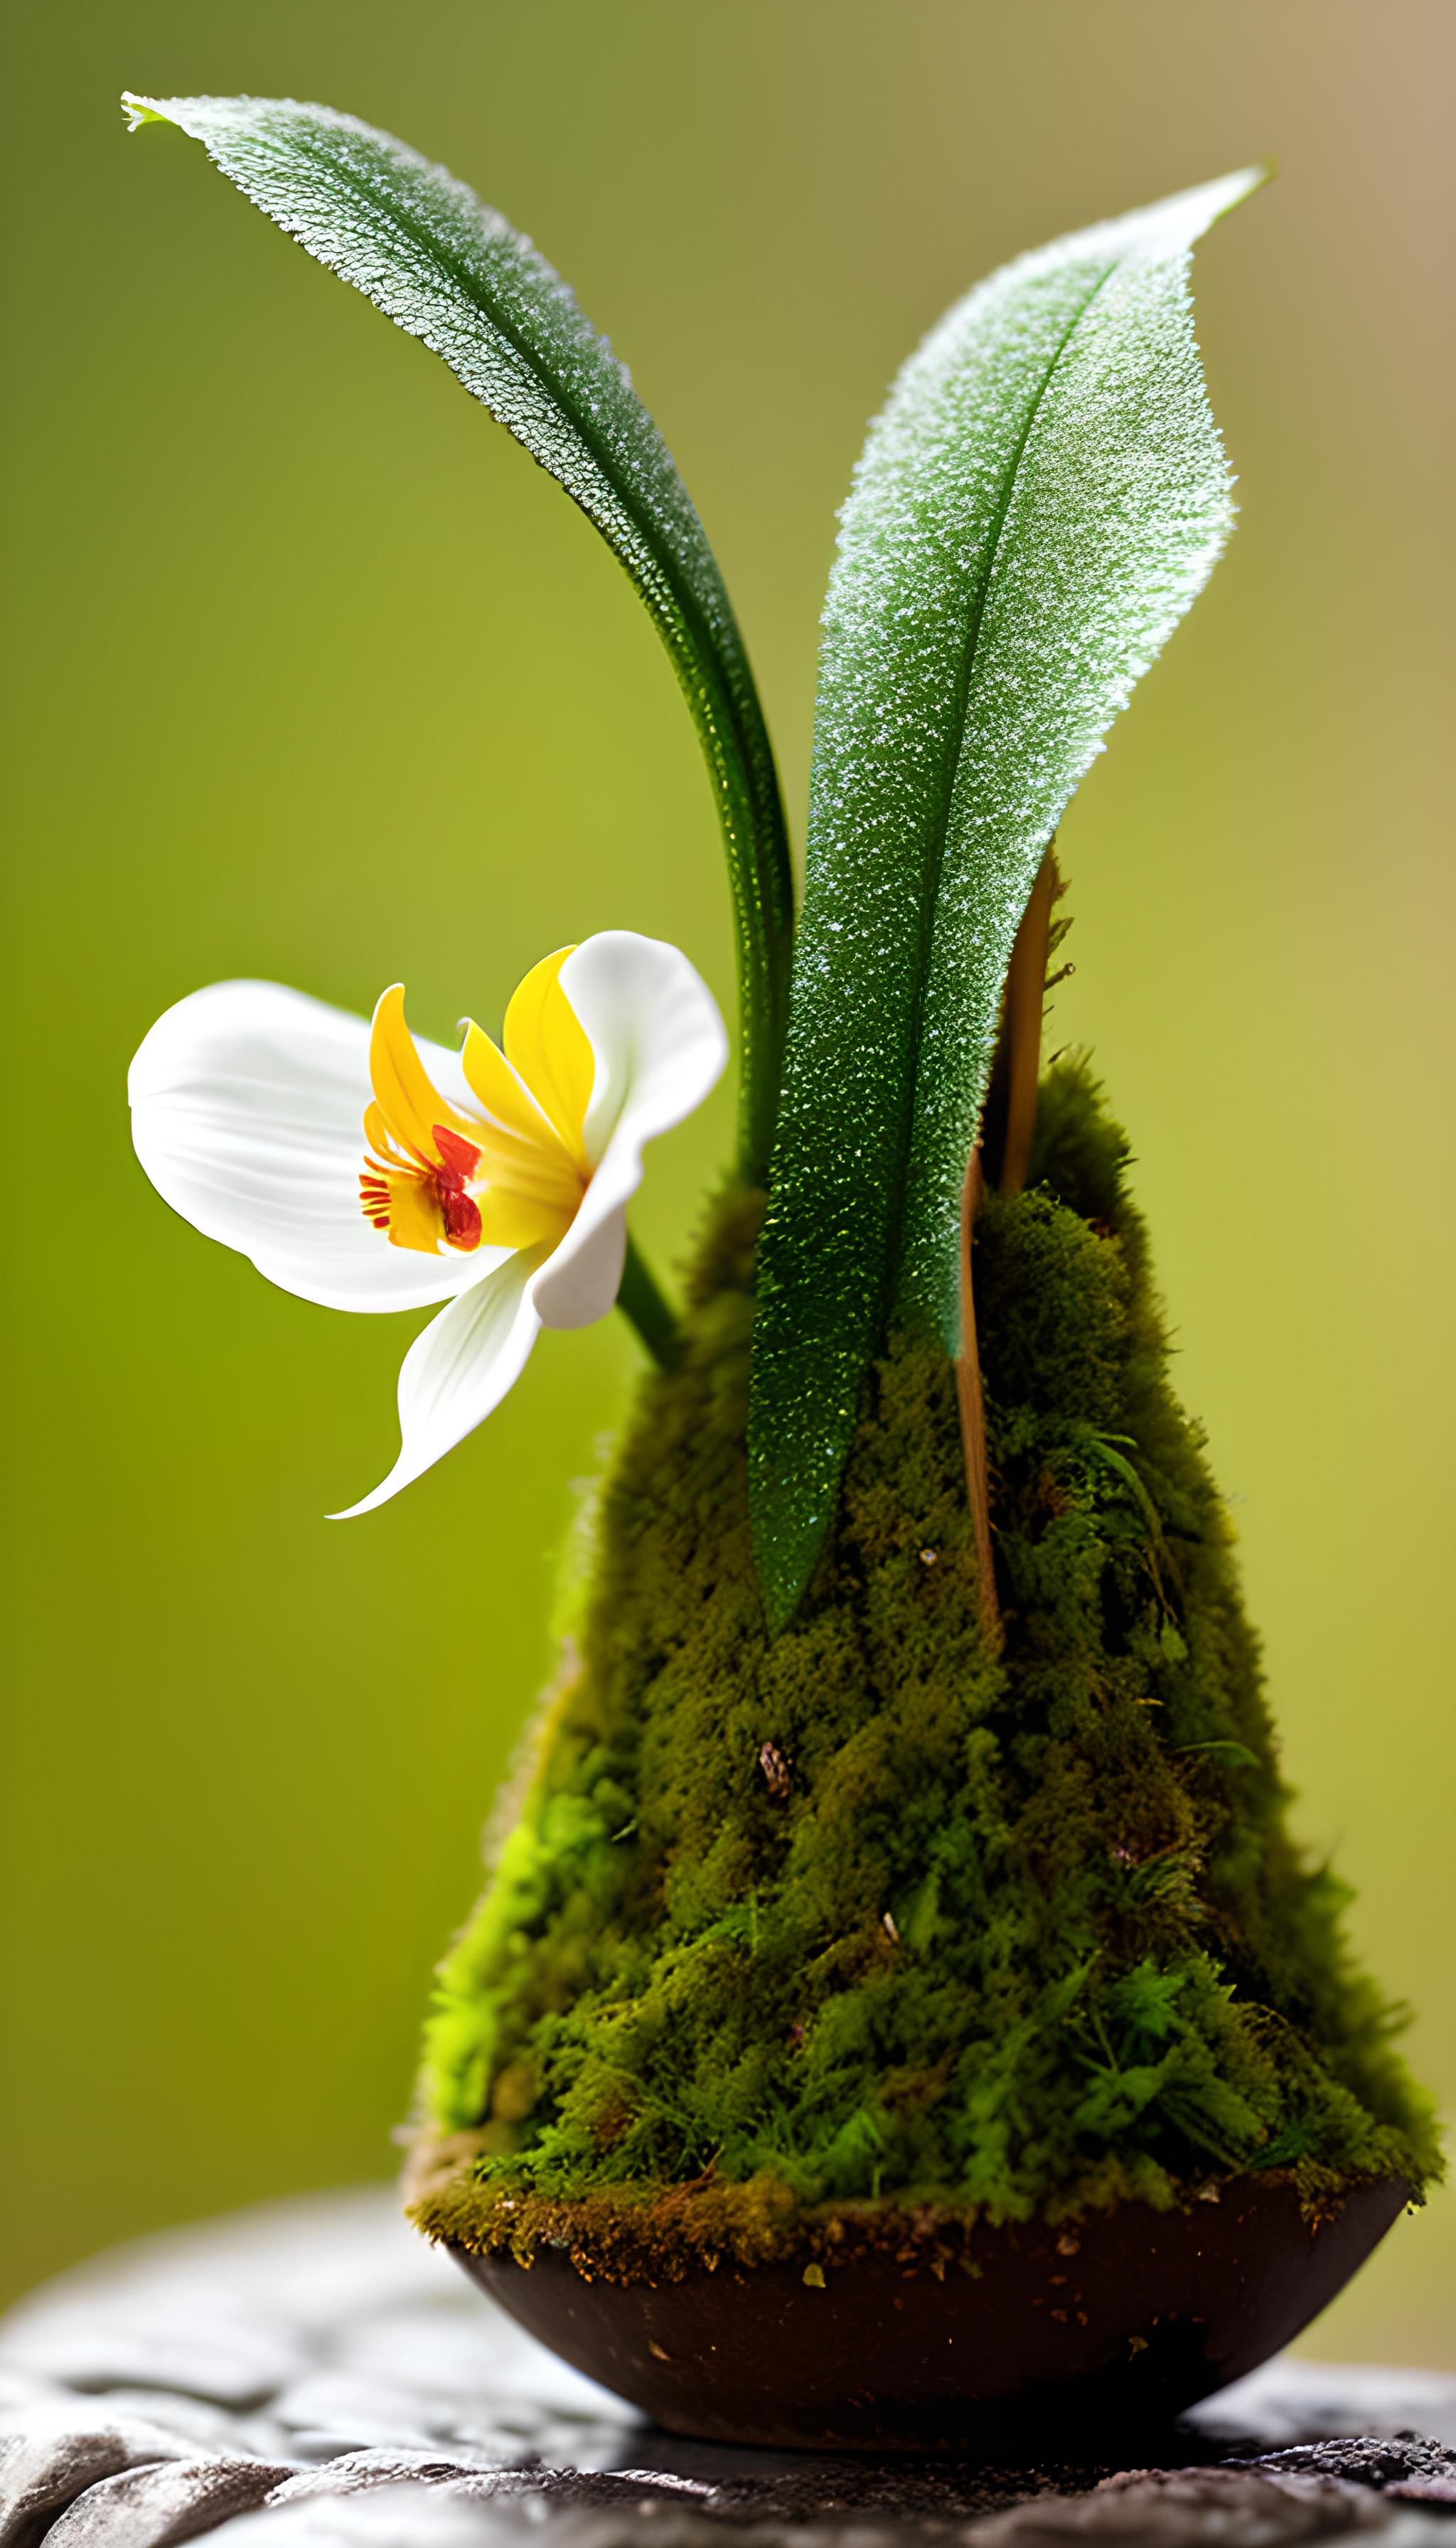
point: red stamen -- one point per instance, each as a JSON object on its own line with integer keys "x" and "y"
{"x": 461, "y": 1158}
{"x": 374, "y": 1201}
{"x": 462, "y": 1219}
{"x": 459, "y": 1214}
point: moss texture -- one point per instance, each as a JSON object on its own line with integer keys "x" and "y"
{"x": 879, "y": 1915}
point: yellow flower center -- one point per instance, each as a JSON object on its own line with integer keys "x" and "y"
{"x": 510, "y": 1177}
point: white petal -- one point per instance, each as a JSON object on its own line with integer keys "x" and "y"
{"x": 248, "y": 1104}
{"x": 459, "y": 1369}
{"x": 658, "y": 1046}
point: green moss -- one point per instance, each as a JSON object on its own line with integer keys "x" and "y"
{"x": 1025, "y": 1931}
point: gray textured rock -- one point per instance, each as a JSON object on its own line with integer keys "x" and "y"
{"x": 1290, "y": 2401}
{"x": 1177, "y": 2509}
{"x": 54, "y": 2450}
{"x": 154, "y": 2507}
{"x": 311, "y": 2376}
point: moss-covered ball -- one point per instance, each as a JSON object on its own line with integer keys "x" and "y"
{"x": 894, "y": 1914}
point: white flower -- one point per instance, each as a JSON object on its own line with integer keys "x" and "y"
{"x": 366, "y": 1170}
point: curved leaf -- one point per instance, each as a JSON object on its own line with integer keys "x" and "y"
{"x": 449, "y": 270}
{"x": 1035, "y": 508}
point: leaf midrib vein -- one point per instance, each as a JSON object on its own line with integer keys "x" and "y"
{"x": 930, "y": 901}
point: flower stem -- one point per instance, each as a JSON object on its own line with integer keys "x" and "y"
{"x": 973, "y": 1411}
{"x": 642, "y": 1302}
{"x": 1011, "y": 1101}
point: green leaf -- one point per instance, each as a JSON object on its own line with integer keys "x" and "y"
{"x": 1035, "y": 507}
{"x": 454, "y": 273}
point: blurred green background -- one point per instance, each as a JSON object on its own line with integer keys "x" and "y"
{"x": 312, "y": 675}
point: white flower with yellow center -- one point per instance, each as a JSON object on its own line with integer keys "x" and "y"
{"x": 366, "y": 1169}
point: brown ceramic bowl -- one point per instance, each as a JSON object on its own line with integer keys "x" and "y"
{"x": 1124, "y": 2321}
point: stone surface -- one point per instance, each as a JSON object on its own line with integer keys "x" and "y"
{"x": 312, "y": 2376}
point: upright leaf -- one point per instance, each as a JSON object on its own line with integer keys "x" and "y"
{"x": 449, "y": 270}
{"x": 1037, "y": 506}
